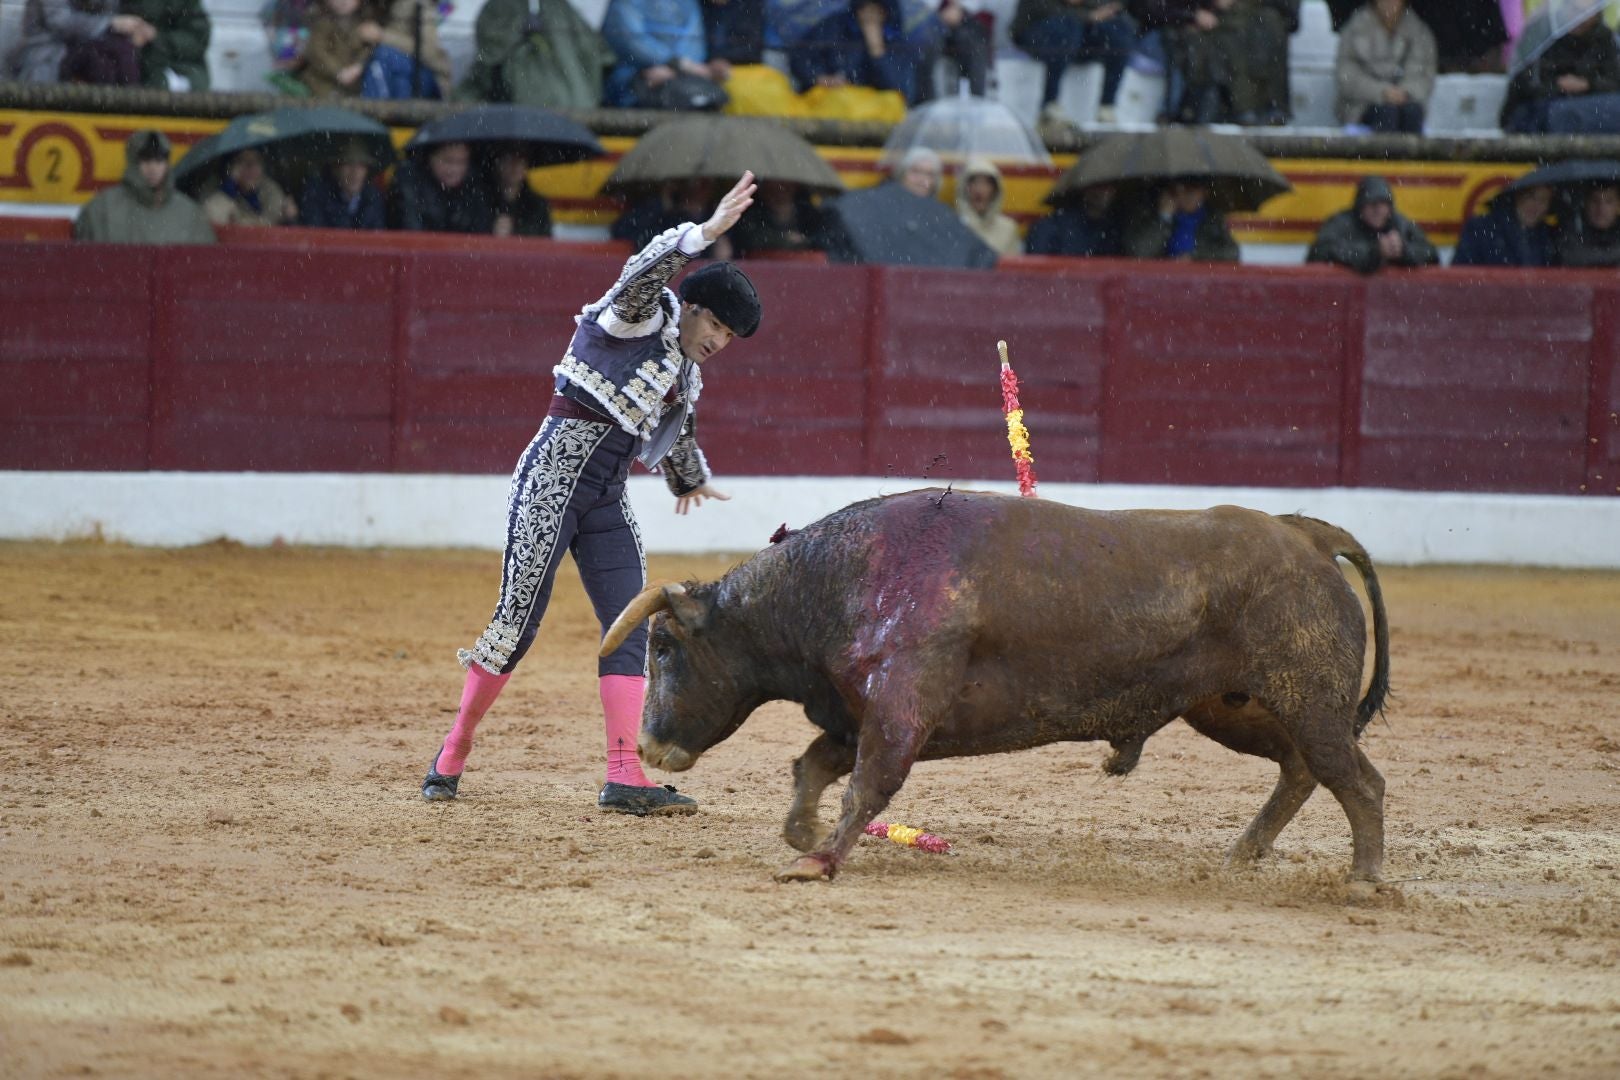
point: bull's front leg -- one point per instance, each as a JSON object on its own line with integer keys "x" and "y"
{"x": 890, "y": 740}
{"x": 825, "y": 761}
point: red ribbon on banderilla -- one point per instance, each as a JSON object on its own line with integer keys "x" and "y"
{"x": 906, "y": 836}
{"x": 1017, "y": 433}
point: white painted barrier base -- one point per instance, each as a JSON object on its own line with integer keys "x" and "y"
{"x": 387, "y": 510}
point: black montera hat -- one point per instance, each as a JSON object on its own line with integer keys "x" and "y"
{"x": 726, "y": 291}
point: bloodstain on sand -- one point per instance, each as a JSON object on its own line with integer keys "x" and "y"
{"x": 214, "y": 861}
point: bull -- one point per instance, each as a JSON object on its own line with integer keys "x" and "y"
{"x": 937, "y": 624}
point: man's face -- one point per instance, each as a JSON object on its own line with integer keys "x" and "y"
{"x": 512, "y": 169}
{"x": 247, "y": 169}
{"x": 1375, "y": 215}
{"x": 1603, "y": 207}
{"x": 1390, "y": 11}
{"x": 153, "y": 171}
{"x": 1097, "y": 199}
{"x": 342, "y": 8}
{"x": 703, "y": 335}
{"x": 1189, "y": 198}
{"x": 1532, "y": 204}
{"x": 920, "y": 178}
{"x": 351, "y": 177}
{"x": 981, "y": 192}
{"x": 449, "y": 164}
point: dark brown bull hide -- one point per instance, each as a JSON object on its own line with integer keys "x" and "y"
{"x": 939, "y": 624}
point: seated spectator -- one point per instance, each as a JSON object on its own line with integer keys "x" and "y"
{"x": 440, "y": 193}
{"x": 246, "y": 196}
{"x": 883, "y": 44}
{"x": 519, "y": 209}
{"x": 144, "y": 208}
{"x": 920, "y": 172}
{"x": 83, "y": 41}
{"x": 966, "y": 44}
{"x": 784, "y": 217}
{"x": 1573, "y": 88}
{"x": 176, "y": 55}
{"x": 1063, "y": 32}
{"x": 1385, "y": 68}
{"x": 735, "y": 30}
{"x": 1371, "y": 235}
{"x": 395, "y": 69}
{"x": 1181, "y": 224}
{"x": 286, "y": 26}
{"x": 663, "y": 59}
{"x": 338, "y": 51}
{"x": 1594, "y": 238}
{"x": 1083, "y": 225}
{"x": 342, "y": 196}
{"x": 673, "y": 204}
{"x": 1230, "y": 56}
{"x": 1513, "y": 233}
{"x": 541, "y": 54}
{"x": 978, "y": 204}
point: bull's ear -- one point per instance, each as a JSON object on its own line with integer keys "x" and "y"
{"x": 690, "y": 611}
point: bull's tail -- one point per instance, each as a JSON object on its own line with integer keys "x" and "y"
{"x": 1336, "y": 543}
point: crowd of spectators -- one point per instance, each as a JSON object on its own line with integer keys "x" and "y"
{"x": 1223, "y": 60}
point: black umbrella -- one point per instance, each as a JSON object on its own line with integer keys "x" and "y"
{"x": 1569, "y": 174}
{"x": 294, "y": 140}
{"x": 1240, "y": 178}
{"x": 547, "y": 137}
{"x": 721, "y": 147}
{"x": 888, "y": 224}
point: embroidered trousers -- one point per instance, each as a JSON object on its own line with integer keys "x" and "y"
{"x": 567, "y": 494}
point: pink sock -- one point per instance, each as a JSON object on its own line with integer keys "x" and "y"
{"x": 477, "y": 695}
{"x": 622, "y": 698}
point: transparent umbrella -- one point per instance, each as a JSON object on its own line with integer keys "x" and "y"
{"x": 957, "y": 128}
{"x": 1551, "y": 21}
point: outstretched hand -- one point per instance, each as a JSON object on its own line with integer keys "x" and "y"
{"x": 731, "y": 207}
{"x": 695, "y": 498}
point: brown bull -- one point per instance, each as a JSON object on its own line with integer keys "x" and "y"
{"x": 939, "y": 624}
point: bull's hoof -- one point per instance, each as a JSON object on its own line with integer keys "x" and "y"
{"x": 807, "y": 868}
{"x": 806, "y": 837}
{"x": 1360, "y": 890}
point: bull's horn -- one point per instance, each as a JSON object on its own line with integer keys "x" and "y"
{"x": 648, "y": 602}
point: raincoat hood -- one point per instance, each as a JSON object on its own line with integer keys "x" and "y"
{"x": 1373, "y": 189}
{"x": 978, "y": 166}
{"x": 140, "y": 146}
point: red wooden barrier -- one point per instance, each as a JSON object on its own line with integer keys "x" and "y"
{"x": 437, "y": 358}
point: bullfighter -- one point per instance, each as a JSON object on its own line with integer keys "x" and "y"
{"x": 625, "y": 390}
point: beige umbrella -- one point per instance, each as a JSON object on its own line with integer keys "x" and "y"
{"x": 720, "y": 147}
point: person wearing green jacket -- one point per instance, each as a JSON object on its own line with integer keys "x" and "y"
{"x": 144, "y": 208}
{"x": 536, "y": 52}
{"x": 181, "y": 43}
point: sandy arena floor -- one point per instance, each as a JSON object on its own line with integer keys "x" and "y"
{"x": 214, "y": 860}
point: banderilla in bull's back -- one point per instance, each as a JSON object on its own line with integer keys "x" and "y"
{"x": 915, "y": 627}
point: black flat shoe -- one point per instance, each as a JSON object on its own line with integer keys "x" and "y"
{"x": 438, "y": 787}
{"x": 643, "y": 801}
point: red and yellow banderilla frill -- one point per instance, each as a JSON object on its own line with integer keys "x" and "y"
{"x": 1017, "y": 433}
{"x": 906, "y": 836}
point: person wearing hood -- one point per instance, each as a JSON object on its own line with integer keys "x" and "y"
{"x": 247, "y": 196}
{"x": 1181, "y": 224}
{"x": 1371, "y": 235}
{"x": 144, "y": 208}
{"x": 1084, "y": 224}
{"x": 626, "y": 390}
{"x": 1594, "y": 239}
{"x": 441, "y": 193}
{"x": 342, "y": 196}
{"x": 1513, "y": 233}
{"x": 978, "y": 203}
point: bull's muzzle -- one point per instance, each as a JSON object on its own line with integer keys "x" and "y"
{"x": 662, "y": 755}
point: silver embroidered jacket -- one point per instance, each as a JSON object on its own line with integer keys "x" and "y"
{"x": 625, "y": 360}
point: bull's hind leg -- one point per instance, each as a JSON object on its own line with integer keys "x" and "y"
{"x": 1331, "y": 754}
{"x": 827, "y": 759}
{"x": 1239, "y": 722}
